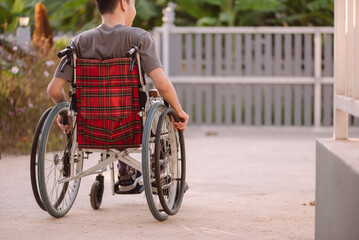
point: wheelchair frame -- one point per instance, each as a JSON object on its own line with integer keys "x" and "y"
{"x": 109, "y": 156}
{"x": 114, "y": 154}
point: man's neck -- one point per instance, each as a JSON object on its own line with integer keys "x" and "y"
{"x": 113, "y": 19}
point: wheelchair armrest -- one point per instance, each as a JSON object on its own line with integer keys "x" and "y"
{"x": 154, "y": 93}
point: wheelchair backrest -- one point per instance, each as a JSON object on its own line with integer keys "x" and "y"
{"x": 107, "y": 93}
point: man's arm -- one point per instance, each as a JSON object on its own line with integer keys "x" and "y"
{"x": 167, "y": 91}
{"x": 55, "y": 90}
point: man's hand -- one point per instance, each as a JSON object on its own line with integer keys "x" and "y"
{"x": 181, "y": 125}
{"x": 65, "y": 128}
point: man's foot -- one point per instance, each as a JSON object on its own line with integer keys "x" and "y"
{"x": 137, "y": 190}
{"x": 128, "y": 182}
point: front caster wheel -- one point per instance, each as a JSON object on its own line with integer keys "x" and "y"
{"x": 96, "y": 193}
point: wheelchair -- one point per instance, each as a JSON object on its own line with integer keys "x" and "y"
{"x": 144, "y": 126}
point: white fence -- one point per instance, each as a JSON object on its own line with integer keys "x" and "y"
{"x": 251, "y": 76}
{"x": 346, "y": 99}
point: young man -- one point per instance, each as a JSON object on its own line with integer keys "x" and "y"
{"x": 112, "y": 39}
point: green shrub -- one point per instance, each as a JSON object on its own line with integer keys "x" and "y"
{"x": 23, "y": 97}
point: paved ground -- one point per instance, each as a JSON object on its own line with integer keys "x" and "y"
{"x": 245, "y": 183}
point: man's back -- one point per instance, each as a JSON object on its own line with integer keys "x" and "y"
{"x": 104, "y": 42}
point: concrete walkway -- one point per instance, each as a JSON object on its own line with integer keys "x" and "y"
{"x": 245, "y": 183}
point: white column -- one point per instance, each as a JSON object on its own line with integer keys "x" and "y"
{"x": 340, "y": 63}
{"x": 356, "y": 50}
{"x": 350, "y": 48}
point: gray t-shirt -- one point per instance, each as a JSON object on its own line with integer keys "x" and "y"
{"x": 104, "y": 42}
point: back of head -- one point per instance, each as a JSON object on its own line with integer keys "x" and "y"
{"x": 107, "y": 6}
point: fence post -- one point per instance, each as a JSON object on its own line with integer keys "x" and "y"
{"x": 168, "y": 20}
{"x": 317, "y": 76}
{"x": 23, "y": 33}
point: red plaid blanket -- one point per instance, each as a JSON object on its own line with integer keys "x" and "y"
{"x": 108, "y": 104}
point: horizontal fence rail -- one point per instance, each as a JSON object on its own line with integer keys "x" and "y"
{"x": 251, "y": 76}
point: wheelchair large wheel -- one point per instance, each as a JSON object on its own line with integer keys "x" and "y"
{"x": 33, "y": 159}
{"x": 56, "y": 152}
{"x": 170, "y": 162}
{"x": 148, "y": 161}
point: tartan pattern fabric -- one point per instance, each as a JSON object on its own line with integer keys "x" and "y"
{"x": 108, "y": 104}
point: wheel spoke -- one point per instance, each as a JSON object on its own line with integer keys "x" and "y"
{"x": 71, "y": 188}
{"x": 47, "y": 168}
{"x": 52, "y": 191}
{"x": 48, "y": 176}
{"x": 57, "y": 191}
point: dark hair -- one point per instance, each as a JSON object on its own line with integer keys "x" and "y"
{"x": 107, "y": 6}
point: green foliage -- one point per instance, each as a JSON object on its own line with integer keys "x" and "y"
{"x": 61, "y": 43}
{"x": 147, "y": 9}
{"x": 73, "y": 14}
{"x": 10, "y": 10}
{"x": 260, "y": 5}
{"x": 306, "y": 13}
{"x": 149, "y": 13}
{"x": 197, "y": 9}
{"x": 258, "y": 12}
{"x": 199, "y": 12}
{"x": 80, "y": 15}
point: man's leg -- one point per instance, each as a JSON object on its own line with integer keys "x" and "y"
{"x": 126, "y": 174}
{"x": 128, "y": 179}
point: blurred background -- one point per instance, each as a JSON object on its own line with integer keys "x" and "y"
{"x": 32, "y": 31}
{"x": 78, "y": 15}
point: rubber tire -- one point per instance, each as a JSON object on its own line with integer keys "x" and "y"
{"x": 159, "y": 215}
{"x": 41, "y": 176}
{"x": 96, "y": 194}
{"x": 180, "y": 187}
{"x": 33, "y": 159}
